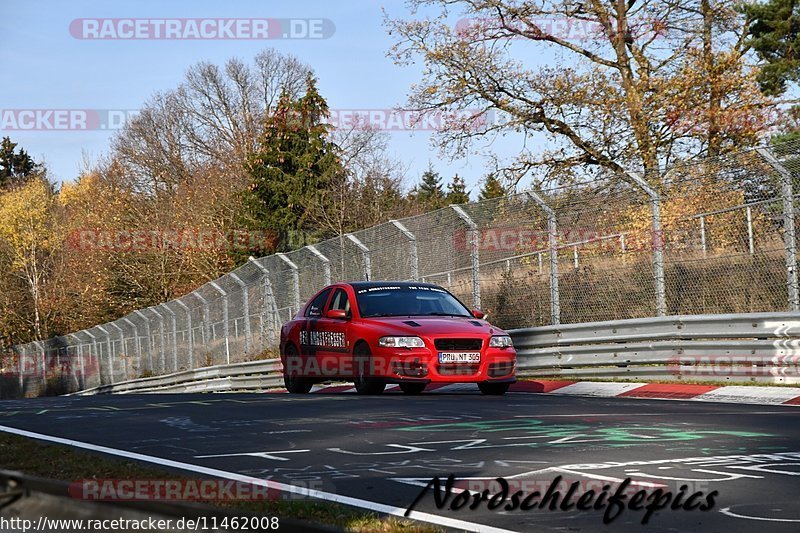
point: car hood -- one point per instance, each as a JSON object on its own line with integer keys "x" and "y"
{"x": 446, "y": 326}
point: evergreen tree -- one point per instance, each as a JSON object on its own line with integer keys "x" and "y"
{"x": 492, "y": 188}
{"x": 774, "y": 34}
{"x": 15, "y": 167}
{"x": 457, "y": 191}
{"x": 294, "y": 162}
{"x": 429, "y": 192}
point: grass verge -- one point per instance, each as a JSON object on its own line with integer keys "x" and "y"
{"x": 65, "y": 464}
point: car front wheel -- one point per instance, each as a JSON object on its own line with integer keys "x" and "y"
{"x": 365, "y": 383}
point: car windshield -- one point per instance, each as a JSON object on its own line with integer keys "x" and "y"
{"x": 395, "y": 300}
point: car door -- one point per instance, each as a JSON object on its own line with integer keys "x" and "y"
{"x": 334, "y": 333}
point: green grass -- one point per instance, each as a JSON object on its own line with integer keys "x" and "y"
{"x": 65, "y": 464}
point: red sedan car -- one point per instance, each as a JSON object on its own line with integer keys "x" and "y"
{"x": 375, "y": 333}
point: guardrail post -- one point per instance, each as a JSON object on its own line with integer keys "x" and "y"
{"x": 225, "y": 315}
{"x": 137, "y": 340}
{"x": 109, "y": 348}
{"x": 552, "y": 248}
{"x": 295, "y": 280}
{"x": 174, "y": 336}
{"x": 246, "y": 305}
{"x": 365, "y": 254}
{"x": 122, "y": 346}
{"x": 270, "y": 305}
{"x": 148, "y": 335}
{"x": 789, "y": 241}
{"x": 163, "y": 348}
{"x": 412, "y": 247}
{"x": 474, "y": 252}
{"x": 326, "y": 264}
{"x": 658, "y": 244}
{"x": 191, "y": 333}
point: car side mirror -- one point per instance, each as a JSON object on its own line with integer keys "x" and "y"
{"x": 477, "y": 313}
{"x": 339, "y": 314}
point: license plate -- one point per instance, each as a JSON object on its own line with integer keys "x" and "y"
{"x": 459, "y": 357}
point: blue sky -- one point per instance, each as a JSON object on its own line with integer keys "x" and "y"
{"x": 44, "y": 67}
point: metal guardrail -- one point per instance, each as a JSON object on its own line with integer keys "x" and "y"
{"x": 756, "y": 347}
{"x": 245, "y": 377}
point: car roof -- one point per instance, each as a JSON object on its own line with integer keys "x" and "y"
{"x": 402, "y": 284}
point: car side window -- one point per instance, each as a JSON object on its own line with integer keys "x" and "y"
{"x": 341, "y": 301}
{"x": 317, "y": 305}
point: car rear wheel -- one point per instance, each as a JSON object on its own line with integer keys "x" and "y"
{"x": 364, "y": 381}
{"x": 412, "y": 388}
{"x": 493, "y": 389}
{"x": 294, "y": 384}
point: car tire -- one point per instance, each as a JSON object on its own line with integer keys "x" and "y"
{"x": 412, "y": 388}
{"x": 294, "y": 384}
{"x": 493, "y": 389}
{"x": 364, "y": 382}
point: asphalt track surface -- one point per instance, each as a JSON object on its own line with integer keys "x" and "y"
{"x": 384, "y": 449}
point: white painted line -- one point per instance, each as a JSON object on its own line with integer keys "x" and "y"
{"x": 591, "y": 388}
{"x": 222, "y": 474}
{"x": 742, "y": 394}
{"x": 727, "y": 511}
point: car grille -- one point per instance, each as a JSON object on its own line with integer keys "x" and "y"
{"x": 457, "y": 369}
{"x": 458, "y": 344}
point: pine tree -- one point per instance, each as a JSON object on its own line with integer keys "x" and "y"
{"x": 429, "y": 192}
{"x": 492, "y": 188}
{"x": 457, "y": 191}
{"x": 15, "y": 167}
{"x": 774, "y": 34}
{"x": 293, "y": 164}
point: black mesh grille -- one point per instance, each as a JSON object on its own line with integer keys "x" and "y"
{"x": 458, "y": 344}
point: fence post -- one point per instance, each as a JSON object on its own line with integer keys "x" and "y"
{"x": 174, "y": 337}
{"x": 789, "y": 242}
{"x": 163, "y": 350}
{"x": 20, "y": 351}
{"x": 225, "y": 316}
{"x": 552, "y": 247}
{"x": 703, "y": 245}
{"x": 191, "y": 334}
{"x": 44, "y": 365}
{"x": 148, "y": 335}
{"x": 206, "y": 329}
{"x": 269, "y": 301}
{"x": 246, "y": 314}
{"x": 326, "y": 264}
{"x": 108, "y": 355}
{"x": 750, "y": 243}
{"x": 96, "y": 354}
{"x": 658, "y": 244}
{"x": 474, "y": 252}
{"x": 295, "y": 280}
{"x": 137, "y": 341}
{"x": 364, "y": 253}
{"x": 412, "y": 248}
{"x": 82, "y": 382}
{"x": 122, "y": 346}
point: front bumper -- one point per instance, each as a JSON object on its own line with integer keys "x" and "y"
{"x": 422, "y": 365}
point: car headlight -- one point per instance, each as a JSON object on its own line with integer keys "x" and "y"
{"x": 500, "y": 341}
{"x": 401, "y": 342}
